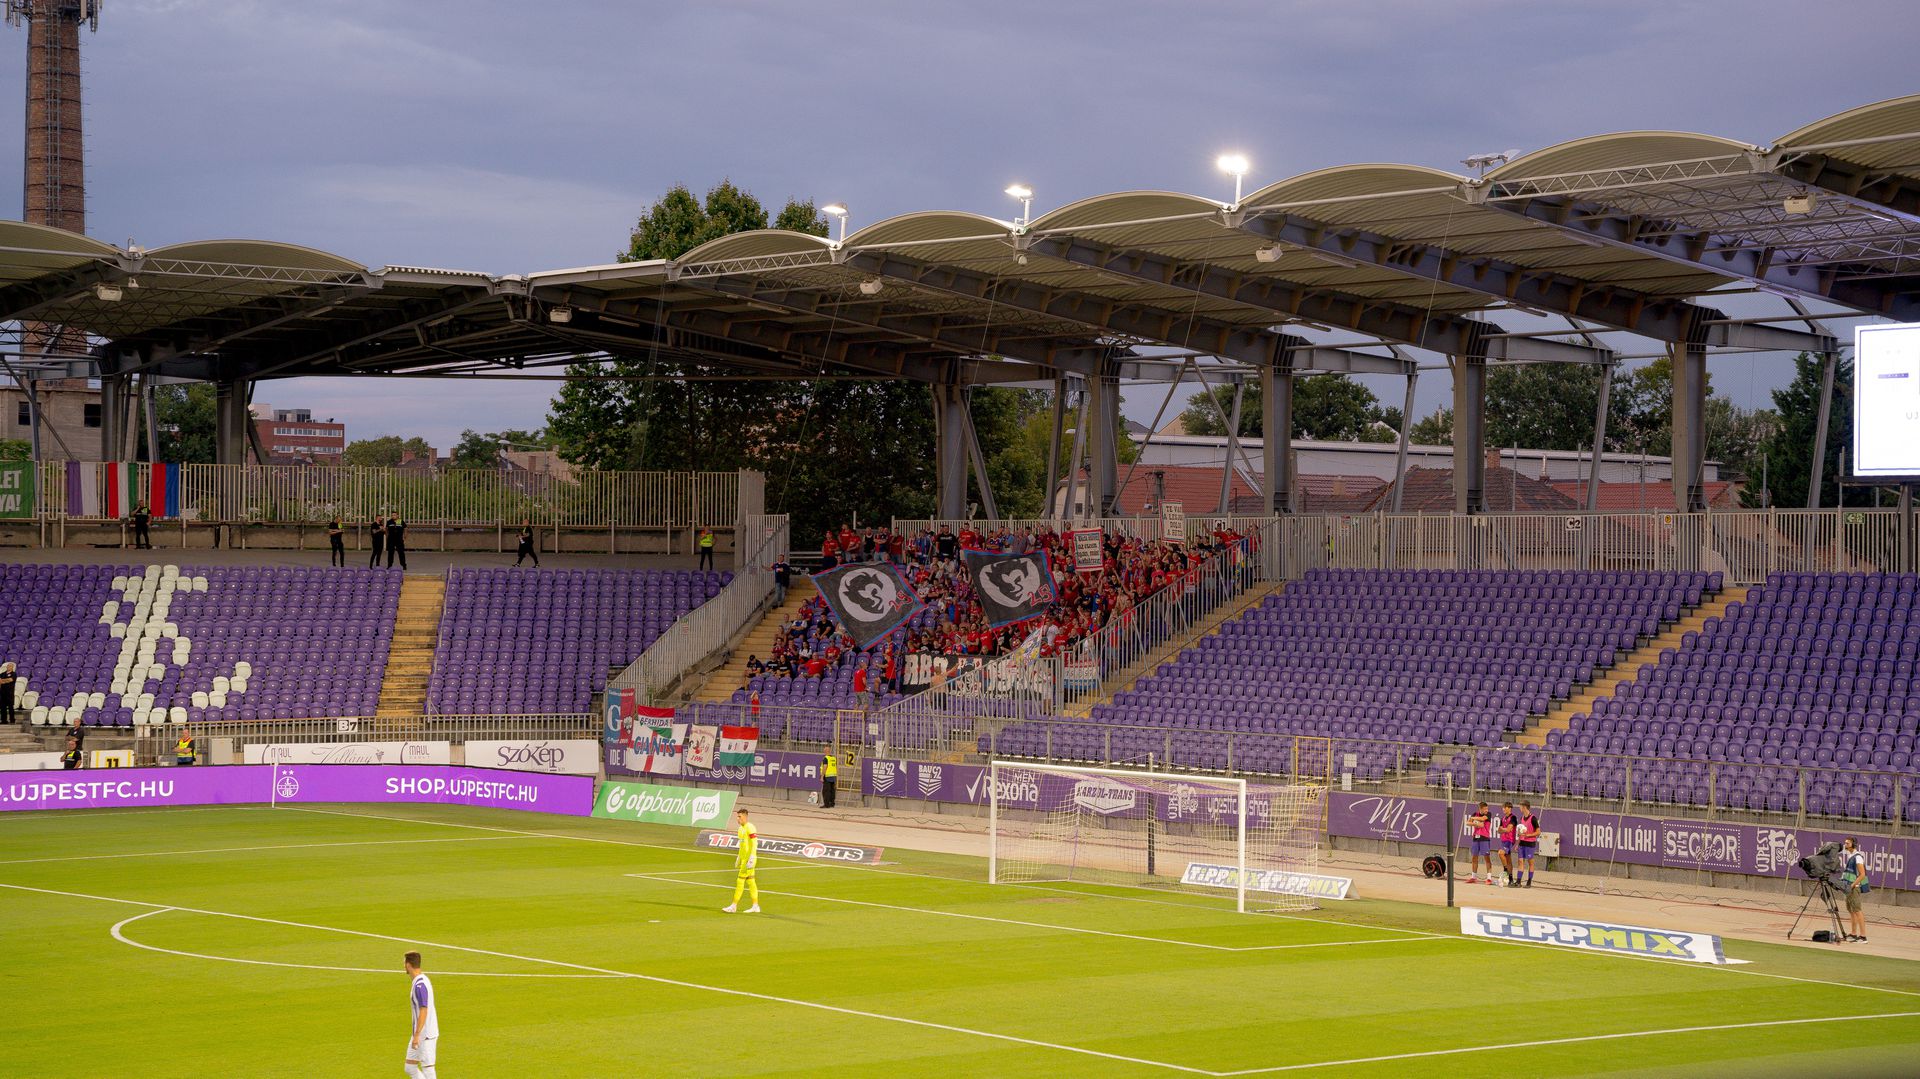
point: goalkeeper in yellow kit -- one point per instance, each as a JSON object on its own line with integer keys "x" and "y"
{"x": 743, "y": 866}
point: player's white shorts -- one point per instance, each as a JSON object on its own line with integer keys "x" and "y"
{"x": 423, "y": 1056}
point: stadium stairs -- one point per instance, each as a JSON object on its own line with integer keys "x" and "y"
{"x": 1628, "y": 669}
{"x": 416, "y": 629}
{"x": 1208, "y": 626}
{"x": 757, "y": 641}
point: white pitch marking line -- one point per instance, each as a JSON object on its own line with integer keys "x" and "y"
{"x": 124, "y": 939}
{"x": 668, "y": 874}
{"x": 1568, "y": 1041}
{"x": 1296, "y": 917}
{"x": 655, "y": 979}
{"x": 1016, "y": 921}
{"x": 275, "y": 846}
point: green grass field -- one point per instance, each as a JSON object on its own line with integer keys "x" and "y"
{"x": 262, "y": 942}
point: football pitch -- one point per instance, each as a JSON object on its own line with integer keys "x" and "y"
{"x": 248, "y": 941}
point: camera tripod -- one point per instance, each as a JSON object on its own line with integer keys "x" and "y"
{"x": 1824, "y": 891}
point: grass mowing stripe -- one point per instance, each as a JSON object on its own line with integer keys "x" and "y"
{"x": 1030, "y": 925}
{"x": 655, "y": 979}
{"x": 272, "y": 846}
{"x": 1543, "y": 1042}
{"x": 117, "y": 933}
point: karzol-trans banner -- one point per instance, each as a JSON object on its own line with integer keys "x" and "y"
{"x": 651, "y": 803}
{"x": 1592, "y": 936}
{"x": 574, "y": 756}
{"x": 810, "y": 849}
{"x": 346, "y": 753}
{"x": 298, "y": 783}
{"x": 1276, "y": 881}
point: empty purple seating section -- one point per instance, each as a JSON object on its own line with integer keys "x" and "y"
{"x": 314, "y": 641}
{"x": 1812, "y": 671}
{"x": 520, "y": 641}
{"x": 1368, "y": 657}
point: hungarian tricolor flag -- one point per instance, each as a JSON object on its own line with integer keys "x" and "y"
{"x": 737, "y": 745}
{"x": 659, "y": 719}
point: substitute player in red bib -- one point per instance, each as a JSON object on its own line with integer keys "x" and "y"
{"x": 1480, "y": 838}
{"x": 1526, "y": 836}
{"x": 1506, "y": 823}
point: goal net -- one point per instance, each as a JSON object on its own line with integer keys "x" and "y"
{"x": 1256, "y": 842}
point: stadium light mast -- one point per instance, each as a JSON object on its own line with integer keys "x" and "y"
{"x": 1025, "y": 195}
{"x": 1236, "y": 165}
{"x": 1487, "y": 162}
{"x": 835, "y": 209}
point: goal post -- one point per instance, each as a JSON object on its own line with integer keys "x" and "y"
{"x": 1212, "y": 835}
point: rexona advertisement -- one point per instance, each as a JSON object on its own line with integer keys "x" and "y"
{"x": 302, "y": 783}
{"x": 574, "y": 756}
{"x": 811, "y": 849}
{"x": 651, "y": 803}
{"x": 1593, "y": 936}
{"x": 1276, "y": 881}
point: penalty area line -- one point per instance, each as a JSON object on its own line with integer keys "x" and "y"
{"x": 1543, "y": 1042}
{"x": 1026, "y": 924}
{"x": 273, "y": 846}
{"x": 745, "y": 994}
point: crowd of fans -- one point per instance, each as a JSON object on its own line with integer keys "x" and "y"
{"x": 812, "y": 646}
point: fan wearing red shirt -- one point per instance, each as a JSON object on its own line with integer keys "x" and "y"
{"x": 862, "y": 699}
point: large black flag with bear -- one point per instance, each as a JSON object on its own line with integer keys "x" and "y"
{"x": 1010, "y": 587}
{"x": 870, "y": 599}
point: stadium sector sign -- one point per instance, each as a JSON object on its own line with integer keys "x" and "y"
{"x": 651, "y": 803}
{"x": 1636, "y": 940}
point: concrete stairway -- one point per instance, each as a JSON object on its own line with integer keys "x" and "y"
{"x": 1208, "y": 625}
{"x": 758, "y": 641}
{"x": 1628, "y": 670}
{"x": 416, "y": 630}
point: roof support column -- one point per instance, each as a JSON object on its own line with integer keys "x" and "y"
{"x": 147, "y": 409}
{"x": 113, "y": 416}
{"x": 1469, "y": 434}
{"x": 1233, "y": 450}
{"x": 1689, "y": 424}
{"x": 1276, "y": 425}
{"x": 230, "y": 422}
{"x": 1828, "y": 362}
{"x": 1053, "y": 443}
{"x": 988, "y": 505}
{"x": 950, "y": 450}
{"x": 1103, "y": 445}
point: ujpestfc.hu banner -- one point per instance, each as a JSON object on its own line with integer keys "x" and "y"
{"x": 1593, "y": 936}
{"x": 651, "y": 803}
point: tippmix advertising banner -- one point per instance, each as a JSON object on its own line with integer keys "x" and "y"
{"x": 1588, "y": 936}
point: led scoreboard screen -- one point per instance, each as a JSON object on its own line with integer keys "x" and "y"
{"x": 1886, "y": 402}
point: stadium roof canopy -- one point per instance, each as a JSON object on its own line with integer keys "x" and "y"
{"x": 1630, "y": 232}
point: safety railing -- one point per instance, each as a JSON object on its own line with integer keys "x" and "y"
{"x": 710, "y": 628}
{"x": 1743, "y": 545}
{"x": 314, "y": 494}
{"x": 154, "y": 744}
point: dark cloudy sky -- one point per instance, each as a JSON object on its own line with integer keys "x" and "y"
{"x": 517, "y": 136}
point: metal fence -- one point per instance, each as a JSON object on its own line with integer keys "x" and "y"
{"x": 313, "y": 494}
{"x": 1743, "y": 545}
{"x": 711, "y": 627}
{"x": 155, "y": 744}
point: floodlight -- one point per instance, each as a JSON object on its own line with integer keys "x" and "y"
{"x": 106, "y": 293}
{"x": 1025, "y": 195}
{"x": 834, "y": 209}
{"x": 1270, "y": 253}
{"x": 1800, "y": 204}
{"x": 561, "y": 314}
{"x": 1237, "y": 165}
{"x": 872, "y": 286}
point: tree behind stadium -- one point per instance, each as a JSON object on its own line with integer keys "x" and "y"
{"x": 830, "y": 449}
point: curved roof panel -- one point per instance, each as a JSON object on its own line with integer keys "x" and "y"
{"x": 760, "y": 243}
{"x": 1124, "y": 207}
{"x": 34, "y": 250}
{"x": 1881, "y": 121}
{"x": 1624, "y": 149}
{"x": 257, "y": 253}
{"x": 1344, "y": 183}
{"x": 929, "y": 226}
